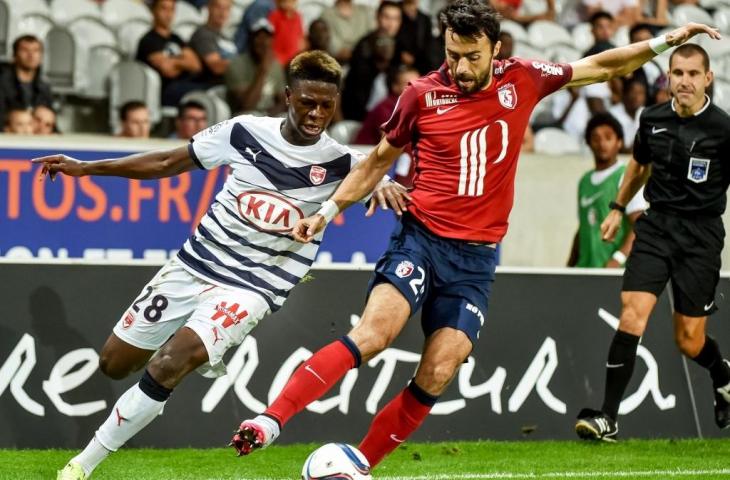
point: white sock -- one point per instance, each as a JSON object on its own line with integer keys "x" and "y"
{"x": 133, "y": 411}
{"x": 91, "y": 456}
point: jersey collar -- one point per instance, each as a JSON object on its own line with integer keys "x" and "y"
{"x": 704, "y": 107}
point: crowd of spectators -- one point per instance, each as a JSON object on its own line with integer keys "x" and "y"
{"x": 381, "y": 48}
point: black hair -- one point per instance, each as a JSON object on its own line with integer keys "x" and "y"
{"x": 388, "y": 3}
{"x": 391, "y": 76}
{"x": 25, "y": 38}
{"x": 689, "y": 49}
{"x": 188, "y": 105}
{"x": 599, "y": 15}
{"x": 601, "y": 119}
{"x": 128, "y": 107}
{"x": 639, "y": 27}
{"x": 471, "y": 18}
{"x": 315, "y": 65}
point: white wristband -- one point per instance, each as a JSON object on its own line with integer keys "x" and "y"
{"x": 659, "y": 44}
{"x": 328, "y": 210}
{"x": 619, "y": 256}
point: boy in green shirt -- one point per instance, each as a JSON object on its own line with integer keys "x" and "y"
{"x": 596, "y": 189}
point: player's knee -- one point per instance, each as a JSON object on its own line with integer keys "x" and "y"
{"x": 113, "y": 369}
{"x": 632, "y": 320}
{"x": 435, "y": 377}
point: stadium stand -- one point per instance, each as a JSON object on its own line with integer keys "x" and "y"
{"x": 554, "y": 141}
{"x": 116, "y": 13}
{"x": 345, "y": 131}
{"x": 130, "y": 80}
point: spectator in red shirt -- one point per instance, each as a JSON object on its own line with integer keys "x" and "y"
{"x": 288, "y": 30}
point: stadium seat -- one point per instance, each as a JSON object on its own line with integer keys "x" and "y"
{"x": 131, "y": 80}
{"x": 92, "y": 32}
{"x": 216, "y": 109}
{"x": 310, "y": 10}
{"x": 582, "y": 36}
{"x": 518, "y": 32}
{"x": 543, "y": 33}
{"x": 563, "y": 54}
{"x": 185, "y": 30}
{"x": 554, "y": 141}
{"x": 65, "y": 61}
{"x": 128, "y": 36}
{"x": 684, "y": 14}
{"x": 27, "y": 7}
{"x": 102, "y": 60}
{"x": 543, "y": 112}
{"x": 721, "y": 94}
{"x": 116, "y": 13}
{"x": 186, "y": 13}
{"x": 64, "y": 12}
{"x": 344, "y": 131}
{"x": 621, "y": 36}
{"x": 34, "y": 24}
{"x": 5, "y": 33}
{"x": 525, "y": 50}
{"x": 722, "y": 19}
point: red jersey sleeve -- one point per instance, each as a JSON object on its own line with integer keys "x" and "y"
{"x": 547, "y": 76}
{"x": 400, "y": 126}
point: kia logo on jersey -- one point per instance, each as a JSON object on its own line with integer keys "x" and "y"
{"x": 317, "y": 174}
{"x": 507, "y": 96}
{"x": 268, "y": 211}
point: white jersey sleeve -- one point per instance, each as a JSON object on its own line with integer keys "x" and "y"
{"x": 208, "y": 148}
{"x": 637, "y": 204}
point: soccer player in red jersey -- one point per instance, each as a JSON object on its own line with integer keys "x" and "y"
{"x": 465, "y": 123}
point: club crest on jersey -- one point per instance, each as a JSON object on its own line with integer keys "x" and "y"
{"x": 507, "y": 96}
{"x": 698, "y": 169}
{"x": 433, "y": 101}
{"x": 268, "y": 211}
{"x": 128, "y": 320}
{"x": 317, "y": 174}
{"x": 404, "y": 269}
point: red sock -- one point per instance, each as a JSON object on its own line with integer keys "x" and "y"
{"x": 395, "y": 422}
{"x": 314, "y": 378}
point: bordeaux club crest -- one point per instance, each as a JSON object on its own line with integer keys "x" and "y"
{"x": 317, "y": 174}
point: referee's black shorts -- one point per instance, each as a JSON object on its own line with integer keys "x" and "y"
{"x": 681, "y": 249}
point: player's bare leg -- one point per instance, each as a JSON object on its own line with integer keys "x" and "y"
{"x": 118, "y": 358}
{"x": 444, "y": 352}
{"x": 385, "y": 315}
{"x": 635, "y": 311}
{"x": 139, "y": 405}
{"x": 690, "y": 336}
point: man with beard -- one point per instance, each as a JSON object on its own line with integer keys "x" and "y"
{"x": 239, "y": 265}
{"x": 465, "y": 124}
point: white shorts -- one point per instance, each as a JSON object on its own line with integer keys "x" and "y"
{"x": 220, "y": 316}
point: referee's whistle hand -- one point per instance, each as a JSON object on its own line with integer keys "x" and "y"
{"x": 610, "y": 225}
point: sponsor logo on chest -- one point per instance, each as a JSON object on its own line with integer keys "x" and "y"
{"x": 436, "y": 100}
{"x": 268, "y": 211}
{"x": 548, "y": 68}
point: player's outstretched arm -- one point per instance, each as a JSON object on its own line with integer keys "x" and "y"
{"x": 635, "y": 177}
{"x": 361, "y": 180}
{"x": 155, "y": 164}
{"x": 621, "y": 61}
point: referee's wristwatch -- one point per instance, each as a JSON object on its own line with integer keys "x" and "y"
{"x": 615, "y": 206}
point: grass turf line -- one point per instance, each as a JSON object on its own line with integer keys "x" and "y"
{"x": 457, "y": 460}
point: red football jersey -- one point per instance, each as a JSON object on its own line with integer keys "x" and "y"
{"x": 466, "y": 146}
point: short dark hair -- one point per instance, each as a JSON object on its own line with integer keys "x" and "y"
{"x": 599, "y": 15}
{"x": 689, "y": 49}
{"x": 182, "y": 108}
{"x": 25, "y": 38}
{"x": 391, "y": 76}
{"x": 153, "y": 3}
{"x": 601, "y": 119}
{"x": 471, "y": 18}
{"x": 128, "y": 107}
{"x": 315, "y": 65}
{"x": 639, "y": 27}
{"x": 388, "y": 3}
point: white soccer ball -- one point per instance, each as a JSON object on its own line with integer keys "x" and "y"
{"x": 336, "y": 461}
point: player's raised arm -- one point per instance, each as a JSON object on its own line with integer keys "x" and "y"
{"x": 155, "y": 164}
{"x": 621, "y": 61}
{"x": 361, "y": 180}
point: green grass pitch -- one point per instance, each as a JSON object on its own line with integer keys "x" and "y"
{"x": 632, "y": 459}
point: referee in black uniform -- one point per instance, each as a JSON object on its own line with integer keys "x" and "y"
{"x": 682, "y": 148}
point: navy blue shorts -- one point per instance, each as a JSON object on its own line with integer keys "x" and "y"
{"x": 449, "y": 280}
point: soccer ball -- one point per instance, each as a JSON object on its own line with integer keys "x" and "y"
{"x": 336, "y": 461}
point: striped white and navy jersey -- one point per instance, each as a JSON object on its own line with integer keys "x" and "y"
{"x": 243, "y": 240}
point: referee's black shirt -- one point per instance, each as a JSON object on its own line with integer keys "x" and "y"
{"x": 690, "y": 159}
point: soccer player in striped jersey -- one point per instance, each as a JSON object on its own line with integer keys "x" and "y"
{"x": 240, "y": 263}
{"x": 465, "y": 123}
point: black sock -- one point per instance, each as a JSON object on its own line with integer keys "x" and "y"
{"x": 619, "y": 368}
{"x": 153, "y": 389}
{"x": 711, "y": 359}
